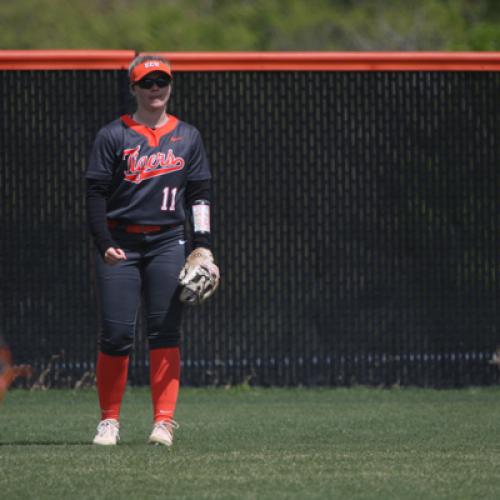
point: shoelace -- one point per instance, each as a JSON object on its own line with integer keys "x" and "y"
{"x": 106, "y": 427}
{"x": 168, "y": 425}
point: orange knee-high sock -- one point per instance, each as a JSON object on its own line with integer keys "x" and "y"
{"x": 111, "y": 374}
{"x": 164, "y": 374}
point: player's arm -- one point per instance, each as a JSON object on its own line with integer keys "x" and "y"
{"x": 97, "y": 192}
{"x": 99, "y": 175}
{"x": 198, "y": 191}
{"x": 199, "y": 278}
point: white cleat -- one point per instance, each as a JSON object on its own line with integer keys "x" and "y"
{"x": 108, "y": 432}
{"x": 163, "y": 432}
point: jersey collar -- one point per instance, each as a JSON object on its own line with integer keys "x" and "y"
{"x": 152, "y": 135}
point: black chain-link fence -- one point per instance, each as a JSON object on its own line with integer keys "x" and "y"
{"x": 356, "y": 225}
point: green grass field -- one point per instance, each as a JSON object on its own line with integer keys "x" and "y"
{"x": 258, "y": 444}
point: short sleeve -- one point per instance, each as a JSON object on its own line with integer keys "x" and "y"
{"x": 199, "y": 168}
{"x": 102, "y": 157}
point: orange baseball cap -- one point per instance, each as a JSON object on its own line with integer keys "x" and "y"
{"x": 150, "y": 66}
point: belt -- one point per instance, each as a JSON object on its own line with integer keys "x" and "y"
{"x": 138, "y": 228}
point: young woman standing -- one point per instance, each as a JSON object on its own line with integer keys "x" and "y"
{"x": 147, "y": 172}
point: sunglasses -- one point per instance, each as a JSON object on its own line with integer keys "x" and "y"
{"x": 147, "y": 83}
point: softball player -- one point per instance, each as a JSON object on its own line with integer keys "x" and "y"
{"x": 147, "y": 171}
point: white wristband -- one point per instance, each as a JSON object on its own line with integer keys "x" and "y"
{"x": 201, "y": 217}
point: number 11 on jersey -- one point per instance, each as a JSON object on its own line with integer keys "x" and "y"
{"x": 168, "y": 203}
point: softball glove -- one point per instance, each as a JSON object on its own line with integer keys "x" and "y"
{"x": 199, "y": 278}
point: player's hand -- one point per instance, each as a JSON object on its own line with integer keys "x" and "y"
{"x": 114, "y": 255}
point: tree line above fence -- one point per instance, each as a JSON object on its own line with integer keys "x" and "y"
{"x": 259, "y": 25}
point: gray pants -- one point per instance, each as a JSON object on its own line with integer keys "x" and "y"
{"x": 150, "y": 271}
